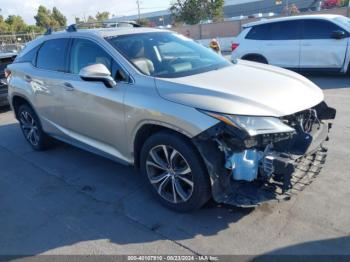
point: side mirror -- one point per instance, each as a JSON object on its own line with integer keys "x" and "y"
{"x": 97, "y": 73}
{"x": 339, "y": 34}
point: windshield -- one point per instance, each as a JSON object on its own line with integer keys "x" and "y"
{"x": 166, "y": 54}
{"x": 343, "y": 21}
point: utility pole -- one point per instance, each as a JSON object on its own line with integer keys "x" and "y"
{"x": 138, "y": 9}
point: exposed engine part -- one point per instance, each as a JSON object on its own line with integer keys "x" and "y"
{"x": 297, "y": 174}
{"x": 245, "y": 165}
{"x": 267, "y": 168}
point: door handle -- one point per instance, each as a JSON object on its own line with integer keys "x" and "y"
{"x": 68, "y": 86}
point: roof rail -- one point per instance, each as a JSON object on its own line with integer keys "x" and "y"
{"x": 90, "y": 25}
{"x": 71, "y": 28}
{"x": 48, "y": 31}
{"x": 106, "y": 24}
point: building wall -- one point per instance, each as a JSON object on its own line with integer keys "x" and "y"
{"x": 266, "y": 6}
{"x": 232, "y": 8}
{"x": 227, "y": 31}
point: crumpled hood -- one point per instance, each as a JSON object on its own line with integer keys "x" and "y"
{"x": 245, "y": 88}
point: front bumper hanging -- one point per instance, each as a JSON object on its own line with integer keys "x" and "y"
{"x": 285, "y": 168}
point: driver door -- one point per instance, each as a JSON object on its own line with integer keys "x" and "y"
{"x": 95, "y": 113}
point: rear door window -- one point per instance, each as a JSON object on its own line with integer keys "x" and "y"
{"x": 286, "y": 30}
{"x": 319, "y": 29}
{"x": 52, "y": 55}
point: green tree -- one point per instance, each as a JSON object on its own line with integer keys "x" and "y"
{"x": 47, "y": 18}
{"x": 187, "y": 11}
{"x": 215, "y": 10}
{"x": 102, "y": 16}
{"x": 34, "y": 29}
{"x": 194, "y": 11}
{"x": 15, "y": 23}
{"x": 58, "y": 17}
{"x": 43, "y": 17}
{"x": 3, "y": 26}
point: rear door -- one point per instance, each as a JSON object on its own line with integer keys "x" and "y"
{"x": 281, "y": 43}
{"x": 318, "y": 48}
{"x": 46, "y": 80}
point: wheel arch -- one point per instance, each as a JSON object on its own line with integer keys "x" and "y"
{"x": 250, "y": 55}
{"x": 17, "y": 100}
{"x": 146, "y": 130}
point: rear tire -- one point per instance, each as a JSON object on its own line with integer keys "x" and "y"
{"x": 31, "y": 128}
{"x": 175, "y": 172}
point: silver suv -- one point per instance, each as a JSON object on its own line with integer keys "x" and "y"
{"x": 195, "y": 125}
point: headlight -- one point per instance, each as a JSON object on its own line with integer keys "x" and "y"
{"x": 253, "y": 125}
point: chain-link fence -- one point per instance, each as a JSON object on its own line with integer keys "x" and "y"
{"x": 15, "y": 42}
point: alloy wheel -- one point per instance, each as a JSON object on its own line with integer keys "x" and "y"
{"x": 170, "y": 174}
{"x": 29, "y": 128}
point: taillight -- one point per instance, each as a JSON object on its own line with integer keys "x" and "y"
{"x": 234, "y": 46}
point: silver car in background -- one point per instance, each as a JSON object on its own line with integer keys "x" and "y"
{"x": 195, "y": 125}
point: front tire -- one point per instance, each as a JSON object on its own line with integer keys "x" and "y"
{"x": 174, "y": 171}
{"x": 31, "y": 128}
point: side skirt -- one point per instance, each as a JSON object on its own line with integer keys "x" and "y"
{"x": 90, "y": 149}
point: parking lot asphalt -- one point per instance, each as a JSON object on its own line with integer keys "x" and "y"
{"x": 68, "y": 201}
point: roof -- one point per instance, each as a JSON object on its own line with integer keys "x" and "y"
{"x": 291, "y": 18}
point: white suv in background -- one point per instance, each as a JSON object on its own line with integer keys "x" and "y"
{"x": 310, "y": 43}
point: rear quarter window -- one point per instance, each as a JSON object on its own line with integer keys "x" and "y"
{"x": 28, "y": 57}
{"x": 257, "y": 32}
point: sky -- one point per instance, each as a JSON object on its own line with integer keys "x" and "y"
{"x": 79, "y": 8}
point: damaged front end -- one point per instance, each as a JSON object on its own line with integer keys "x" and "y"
{"x": 252, "y": 160}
